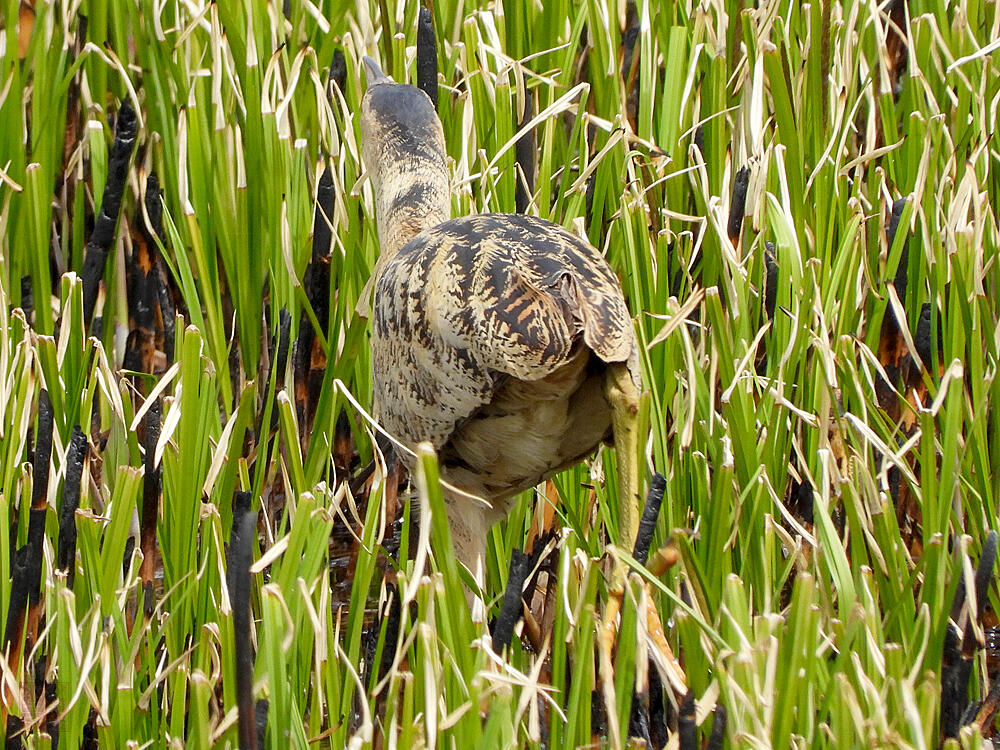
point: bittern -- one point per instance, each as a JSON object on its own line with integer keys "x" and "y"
{"x": 503, "y": 340}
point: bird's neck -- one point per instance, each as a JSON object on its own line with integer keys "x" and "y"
{"x": 409, "y": 203}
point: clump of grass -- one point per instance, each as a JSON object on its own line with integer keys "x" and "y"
{"x": 800, "y": 202}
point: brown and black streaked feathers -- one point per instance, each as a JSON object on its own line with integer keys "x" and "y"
{"x": 494, "y": 336}
{"x": 474, "y": 301}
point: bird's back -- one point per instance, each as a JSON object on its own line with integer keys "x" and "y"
{"x": 489, "y": 338}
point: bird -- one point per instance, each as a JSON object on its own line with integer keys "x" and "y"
{"x": 503, "y": 340}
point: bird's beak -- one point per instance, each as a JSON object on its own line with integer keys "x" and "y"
{"x": 373, "y": 71}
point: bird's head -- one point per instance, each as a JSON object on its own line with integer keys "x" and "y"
{"x": 400, "y": 130}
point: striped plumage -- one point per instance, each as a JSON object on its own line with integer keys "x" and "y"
{"x": 494, "y": 336}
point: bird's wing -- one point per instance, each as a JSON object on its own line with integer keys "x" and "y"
{"x": 530, "y": 290}
{"x": 476, "y": 300}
